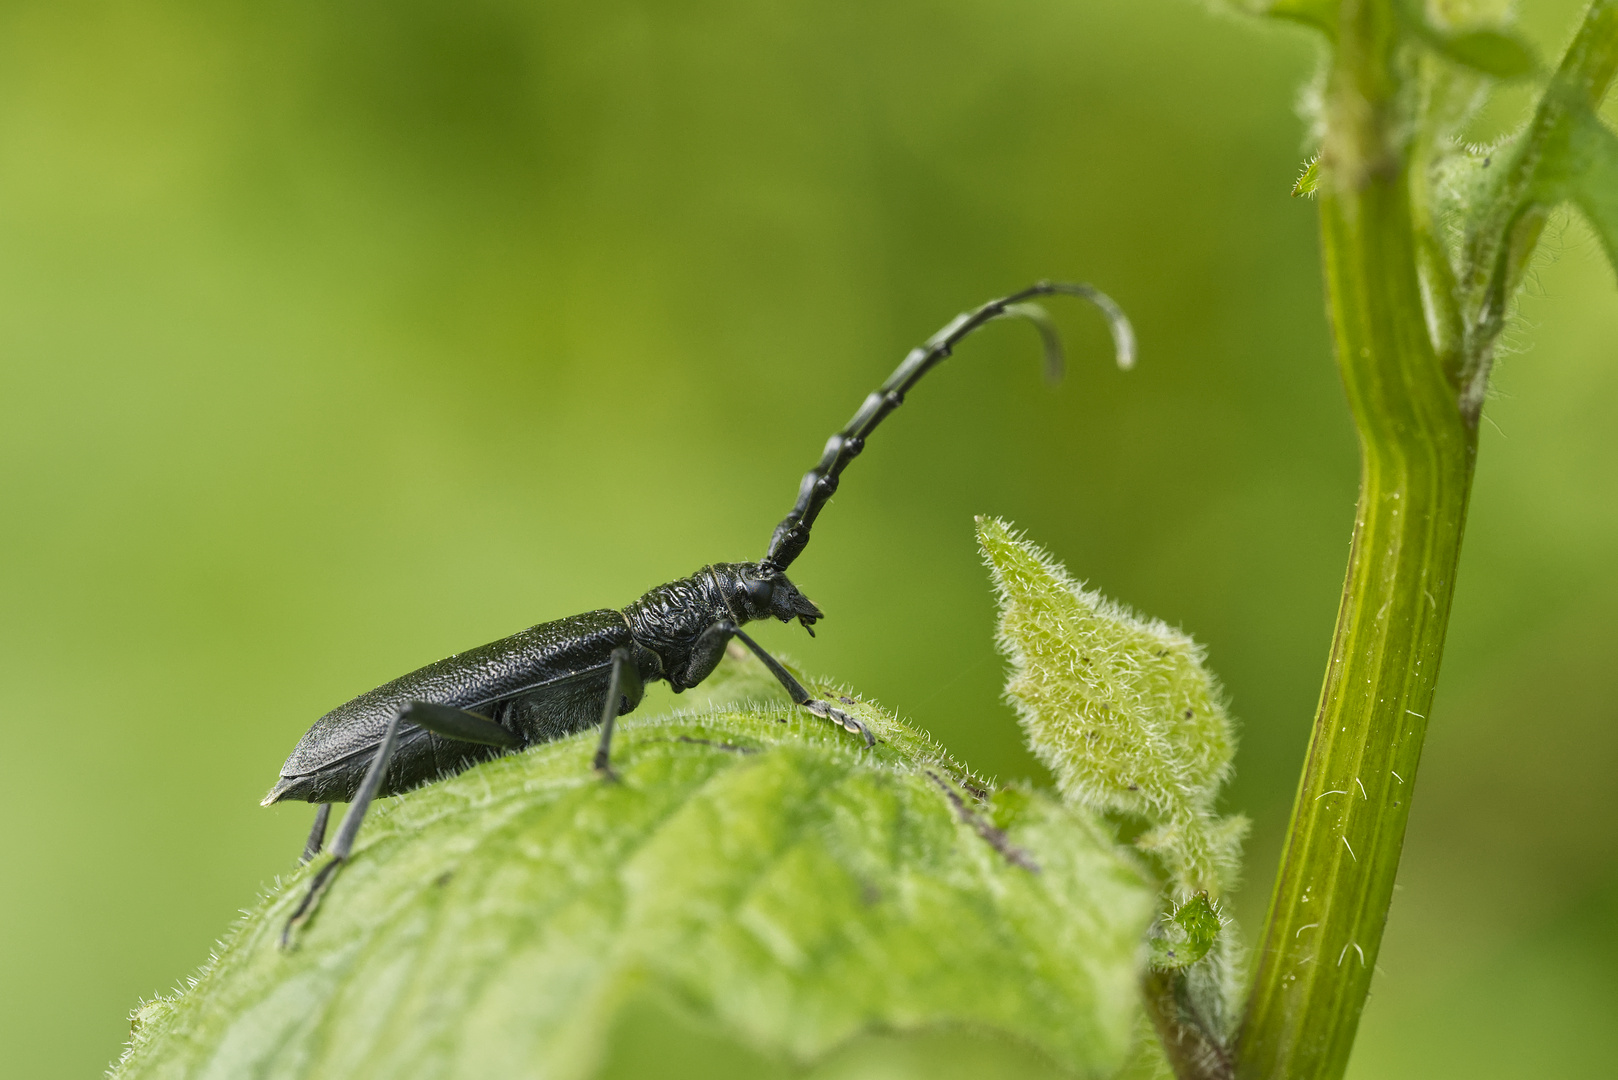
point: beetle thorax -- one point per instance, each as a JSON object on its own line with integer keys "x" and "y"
{"x": 669, "y": 619}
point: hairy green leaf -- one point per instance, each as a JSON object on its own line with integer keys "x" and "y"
{"x": 1490, "y": 50}
{"x": 1193, "y": 988}
{"x": 1124, "y": 712}
{"x": 1581, "y": 166}
{"x": 759, "y": 895}
{"x": 1564, "y": 154}
{"x": 1309, "y": 179}
{"x": 1120, "y": 708}
{"x": 1318, "y": 14}
{"x": 1493, "y": 52}
{"x": 1186, "y": 936}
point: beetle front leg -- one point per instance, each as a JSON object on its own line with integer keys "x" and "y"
{"x": 623, "y": 686}
{"x": 794, "y": 688}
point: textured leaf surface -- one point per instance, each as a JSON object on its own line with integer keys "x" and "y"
{"x": 1319, "y": 14}
{"x": 1120, "y": 708}
{"x": 758, "y": 894}
{"x": 1186, "y": 935}
{"x": 1493, "y": 52}
{"x": 1590, "y": 173}
{"x": 1130, "y": 720}
{"x": 1309, "y": 179}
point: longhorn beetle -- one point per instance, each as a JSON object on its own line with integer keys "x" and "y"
{"x": 560, "y": 677}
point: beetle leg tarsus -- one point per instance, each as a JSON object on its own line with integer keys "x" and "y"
{"x": 838, "y": 716}
{"x": 311, "y": 900}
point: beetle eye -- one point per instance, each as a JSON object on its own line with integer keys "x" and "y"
{"x": 759, "y": 591}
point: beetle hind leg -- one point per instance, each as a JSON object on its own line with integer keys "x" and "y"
{"x": 345, "y": 835}
{"x": 439, "y": 719}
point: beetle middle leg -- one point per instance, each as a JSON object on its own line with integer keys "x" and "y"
{"x": 623, "y": 687}
{"x": 439, "y": 719}
{"x": 317, "y": 833}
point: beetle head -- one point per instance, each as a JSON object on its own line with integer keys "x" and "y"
{"x": 763, "y": 592}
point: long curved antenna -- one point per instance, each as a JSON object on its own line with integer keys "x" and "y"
{"x": 820, "y": 483}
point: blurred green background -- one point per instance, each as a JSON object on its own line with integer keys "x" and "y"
{"x": 338, "y": 336}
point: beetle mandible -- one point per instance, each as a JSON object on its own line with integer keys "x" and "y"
{"x": 560, "y": 677}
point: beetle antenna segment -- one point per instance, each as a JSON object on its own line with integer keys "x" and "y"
{"x": 820, "y": 483}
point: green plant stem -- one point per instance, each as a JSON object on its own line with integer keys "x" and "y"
{"x": 1331, "y": 897}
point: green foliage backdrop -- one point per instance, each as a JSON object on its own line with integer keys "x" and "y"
{"x": 335, "y": 337}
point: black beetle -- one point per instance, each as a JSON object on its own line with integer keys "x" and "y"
{"x": 561, "y": 677}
